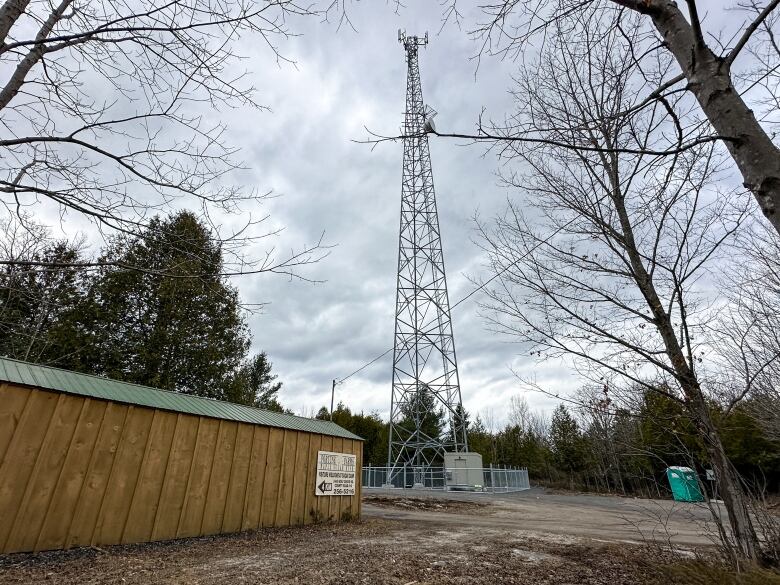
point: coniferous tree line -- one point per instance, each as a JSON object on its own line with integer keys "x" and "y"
{"x": 620, "y": 451}
{"x": 176, "y": 324}
{"x": 626, "y": 450}
{"x": 375, "y": 431}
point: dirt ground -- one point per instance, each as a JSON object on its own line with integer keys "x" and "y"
{"x": 424, "y": 502}
{"x": 539, "y": 513}
{"x": 403, "y": 539}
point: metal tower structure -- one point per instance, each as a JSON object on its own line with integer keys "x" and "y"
{"x": 425, "y": 369}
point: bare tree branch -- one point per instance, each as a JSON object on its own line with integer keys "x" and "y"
{"x": 509, "y": 26}
{"x": 107, "y": 110}
{"x": 750, "y": 31}
{"x": 616, "y": 289}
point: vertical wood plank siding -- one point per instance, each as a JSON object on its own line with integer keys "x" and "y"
{"x": 76, "y": 471}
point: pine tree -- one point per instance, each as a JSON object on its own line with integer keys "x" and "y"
{"x": 370, "y": 427}
{"x": 176, "y": 325}
{"x": 342, "y": 416}
{"x": 34, "y": 303}
{"x": 481, "y": 441}
{"x": 424, "y": 407}
{"x": 255, "y": 385}
{"x": 460, "y": 419}
{"x": 568, "y": 445}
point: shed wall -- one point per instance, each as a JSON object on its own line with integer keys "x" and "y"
{"x": 77, "y": 471}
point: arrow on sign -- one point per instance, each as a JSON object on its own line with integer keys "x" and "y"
{"x": 325, "y": 487}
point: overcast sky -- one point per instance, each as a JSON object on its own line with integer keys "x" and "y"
{"x": 305, "y": 151}
{"x": 345, "y": 80}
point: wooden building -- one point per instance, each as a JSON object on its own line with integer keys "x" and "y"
{"x": 90, "y": 461}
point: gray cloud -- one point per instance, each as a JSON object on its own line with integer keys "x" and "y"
{"x": 304, "y": 150}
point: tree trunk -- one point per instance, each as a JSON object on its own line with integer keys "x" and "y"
{"x": 742, "y": 530}
{"x": 709, "y": 79}
{"x": 743, "y": 533}
{"x": 10, "y": 12}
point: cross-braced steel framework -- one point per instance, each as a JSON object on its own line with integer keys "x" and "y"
{"x": 425, "y": 369}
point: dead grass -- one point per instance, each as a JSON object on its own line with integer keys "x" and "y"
{"x": 697, "y": 572}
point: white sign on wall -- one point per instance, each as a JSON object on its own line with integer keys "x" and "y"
{"x": 335, "y": 474}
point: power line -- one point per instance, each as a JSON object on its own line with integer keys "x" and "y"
{"x": 487, "y": 282}
{"x": 471, "y": 294}
{"x": 364, "y": 366}
{"x": 468, "y": 296}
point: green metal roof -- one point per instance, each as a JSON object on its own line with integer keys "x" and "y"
{"x": 48, "y": 378}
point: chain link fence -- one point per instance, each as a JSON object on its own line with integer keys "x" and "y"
{"x": 495, "y": 479}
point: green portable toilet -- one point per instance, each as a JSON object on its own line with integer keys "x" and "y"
{"x": 684, "y": 484}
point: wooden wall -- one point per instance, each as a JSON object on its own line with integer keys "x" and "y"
{"x": 76, "y": 471}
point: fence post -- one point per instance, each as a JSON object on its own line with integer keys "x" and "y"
{"x": 404, "y": 477}
{"x": 492, "y": 479}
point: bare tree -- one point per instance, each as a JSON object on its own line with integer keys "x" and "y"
{"x": 529, "y": 421}
{"x": 519, "y": 412}
{"x": 751, "y": 327}
{"x": 605, "y": 260}
{"x": 706, "y": 68}
{"x": 111, "y": 111}
{"x": 30, "y": 302}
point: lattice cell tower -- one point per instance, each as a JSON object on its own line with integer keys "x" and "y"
{"x": 425, "y": 370}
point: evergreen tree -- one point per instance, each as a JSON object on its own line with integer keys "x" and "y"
{"x": 752, "y": 451}
{"x": 481, "y": 441}
{"x": 33, "y": 304}
{"x": 568, "y": 445}
{"x": 668, "y": 433}
{"x": 176, "y": 325}
{"x": 520, "y": 447}
{"x": 255, "y": 385}
{"x": 460, "y": 419}
{"x": 375, "y": 431}
{"x": 342, "y": 416}
{"x": 369, "y": 427}
{"x": 424, "y": 406}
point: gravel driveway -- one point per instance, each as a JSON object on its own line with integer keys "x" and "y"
{"x": 528, "y": 539}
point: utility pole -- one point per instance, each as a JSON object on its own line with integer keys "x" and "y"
{"x": 332, "y": 394}
{"x": 425, "y": 370}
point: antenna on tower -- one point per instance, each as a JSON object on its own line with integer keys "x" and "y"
{"x": 413, "y": 40}
{"x": 430, "y": 114}
{"x": 425, "y": 369}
